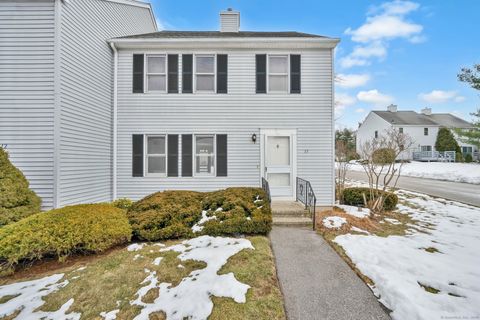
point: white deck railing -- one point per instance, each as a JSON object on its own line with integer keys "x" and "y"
{"x": 442, "y": 156}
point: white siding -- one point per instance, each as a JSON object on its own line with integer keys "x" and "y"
{"x": 27, "y": 91}
{"x": 240, "y": 113}
{"x": 86, "y": 79}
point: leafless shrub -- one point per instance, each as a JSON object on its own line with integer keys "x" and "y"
{"x": 342, "y": 166}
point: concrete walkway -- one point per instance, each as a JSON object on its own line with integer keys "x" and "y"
{"x": 316, "y": 282}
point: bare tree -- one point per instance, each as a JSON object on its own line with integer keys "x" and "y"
{"x": 342, "y": 166}
{"x": 380, "y": 164}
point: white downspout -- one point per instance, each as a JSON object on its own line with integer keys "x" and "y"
{"x": 114, "y": 134}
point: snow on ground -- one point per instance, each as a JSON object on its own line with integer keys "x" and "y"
{"x": 354, "y": 211}
{"x": 112, "y": 315}
{"x": 136, "y": 246}
{"x": 400, "y": 265}
{"x": 191, "y": 298}
{"x": 27, "y": 297}
{"x": 157, "y": 260}
{"x": 449, "y": 171}
{"x": 356, "y": 229}
{"x": 198, "y": 226}
{"x": 333, "y": 222}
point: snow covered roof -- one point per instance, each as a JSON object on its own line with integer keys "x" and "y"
{"x": 413, "y": 118}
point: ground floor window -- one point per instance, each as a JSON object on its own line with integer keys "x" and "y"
{"x": 467, "y": 150}
{"x": 426, "y": 148}
{"x": 205, "y": 155}
{"x": 156, "y": 159}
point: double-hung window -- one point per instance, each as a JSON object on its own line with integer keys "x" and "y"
{"x": 205, "y": 155}
{"x": 425, "y": 131}
{"x": 156, "y": 73}
{"x": 205, "y": 73}
{"x": 156, "y": 160}
{"x": 278, "y": 73}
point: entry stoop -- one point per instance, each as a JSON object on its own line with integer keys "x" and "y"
{"x": 290, "y": 213}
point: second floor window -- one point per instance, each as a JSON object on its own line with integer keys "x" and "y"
{"x": 425, "y": 131}
{"x": 156, "y": 73}
{"x": 205, "y": 73}
{"x": 277, "y": 73}
{"x": 400, "y": 130}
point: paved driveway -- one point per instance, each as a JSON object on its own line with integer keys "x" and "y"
{"x": 456, "y": 191}
{"x": 316, "y": 283}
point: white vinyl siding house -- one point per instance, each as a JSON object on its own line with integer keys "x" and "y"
{"x": 301, "y": 122}
{"x": 56, "y": 88}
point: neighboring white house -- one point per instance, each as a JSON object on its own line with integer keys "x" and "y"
{"x": 197, "y": 110}
{"x": 56, "y": 76}
{"x": 421, "y": 127}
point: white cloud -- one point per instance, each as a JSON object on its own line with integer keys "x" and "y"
{"x": 375, "y": 97}
{"x": 383, "y": 24}
{"x": 440, "y": 96}
{"x": 360, "y": 110}
{"x": 351, "y": 80}
{"x": 343, "y": 100}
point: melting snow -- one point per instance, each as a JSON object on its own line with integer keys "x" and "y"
{"x": 191, "y": 298}
{"x": 198, "y": 226}
{"x": 157, "y": 261}
{"x": 112, "y": 315}
{"x": 355, "y": 211}
{"x": 392, "y": 221}
{"x": 399, "y": 264}
{"x": 28, "y": 298}
{"x": 334, "y": 222}
{"x": 353, "y": 228}
{"x": 135, "y": 246}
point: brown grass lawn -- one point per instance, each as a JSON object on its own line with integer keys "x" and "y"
{"x": 110, "y": 281}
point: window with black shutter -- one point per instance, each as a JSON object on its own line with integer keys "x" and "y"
{"x": 172, "y": 154}
{"x": 295, "y": 75}
{"x": 261, "y": 73}
{"x": 222, "y": 73}
{"x": 137, "y": 155}
{"x": 137, "y": 76}
{"x": 173, "y": 73}
{"x": 222, "y": 155}
{"x": 187, "y": 70}
{"x": 187, "y": 166}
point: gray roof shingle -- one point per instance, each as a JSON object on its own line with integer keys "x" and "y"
{"x": 449, "y": 120}
{"x": 413, "y": 118}
{"x": 166, "y": 34}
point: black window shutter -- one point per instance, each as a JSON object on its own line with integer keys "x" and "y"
{"x": 222, "y": 73}
{"x": 295, "y": 73}
{"x": 137, "y": 77}
{"x": 221, "y": 155}
{"x": 187, "y": 155}
{"x": 137, "y": 155}
{"x": 261, "y": 73}
{"x": 187, "y": 70}
{"x": 172, "y": 170}
{"x": 173, "y": 73}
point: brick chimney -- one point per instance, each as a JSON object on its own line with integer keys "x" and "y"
{"x": 427, "y": 111}
{"x": 229, "y": 21}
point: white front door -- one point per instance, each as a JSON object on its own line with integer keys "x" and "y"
{"x": 279, "y": 163}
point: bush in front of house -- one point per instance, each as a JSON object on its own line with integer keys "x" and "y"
{"x": 354, "y": 197}
{"x": 123, "y": 203}
{"x": 468, "y": 158}
{"x": 383, "y": 156}
{"x": 85, "y": 228}
{"x": 172, "y": 214}
{"x": 17, "y": 201}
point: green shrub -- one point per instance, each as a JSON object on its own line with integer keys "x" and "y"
{"x": 17, "y": 201}
{"x": 172, "y": 214}
{"x": 468, "y": 158}
{"x": 61, "y": 232}
{"x": 123, "y": 203}
{"x": 383, "y": 156}
{"x": 354, "y": 197}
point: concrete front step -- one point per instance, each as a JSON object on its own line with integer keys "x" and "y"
{"x": 292, "y": 221}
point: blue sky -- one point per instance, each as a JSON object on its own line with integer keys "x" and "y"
{"x": 402, "y": 52}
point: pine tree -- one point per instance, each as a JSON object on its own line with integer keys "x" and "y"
{"x": 16, "y": 199}
{"x": 446, "y": 142}
{"x": 472, "y": 77}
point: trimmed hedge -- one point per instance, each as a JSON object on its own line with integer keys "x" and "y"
{"x": 354, "y": 197}
{"x": 62, "y": 232}
{"x": 17, "y": 201}
{"x": 172, "y": 214}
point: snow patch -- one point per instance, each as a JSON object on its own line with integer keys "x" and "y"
{"x": 28, "y": 298}
{"x": 198, "y": 226}
{"x": 392, "y": 221}
{"x": 111, "y": 315}
{"x": 356, "y": 229}
{"x": 334, "y": 222}
{"x": 191, "y": 298}
{"x": 137, "y": 256}
{"x": 157, "y": 261}
{"x": 135, "y": 246}
{"x": 354, "y": 211}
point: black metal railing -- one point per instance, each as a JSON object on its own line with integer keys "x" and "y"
{"x": 266, "y": 188}
{"x": 306, "y": 196}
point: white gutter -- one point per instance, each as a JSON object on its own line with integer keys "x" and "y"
{"x": 114, "y": 134}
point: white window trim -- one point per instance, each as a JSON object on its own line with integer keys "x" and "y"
{"x": 194, "y": 80}
{"x": 278, "y": 74}
{"x": 194, "y": 162}
{"x": 427, "y": 131}
{"x": 146, "y": 155}
{"x": 147, "y": 56}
